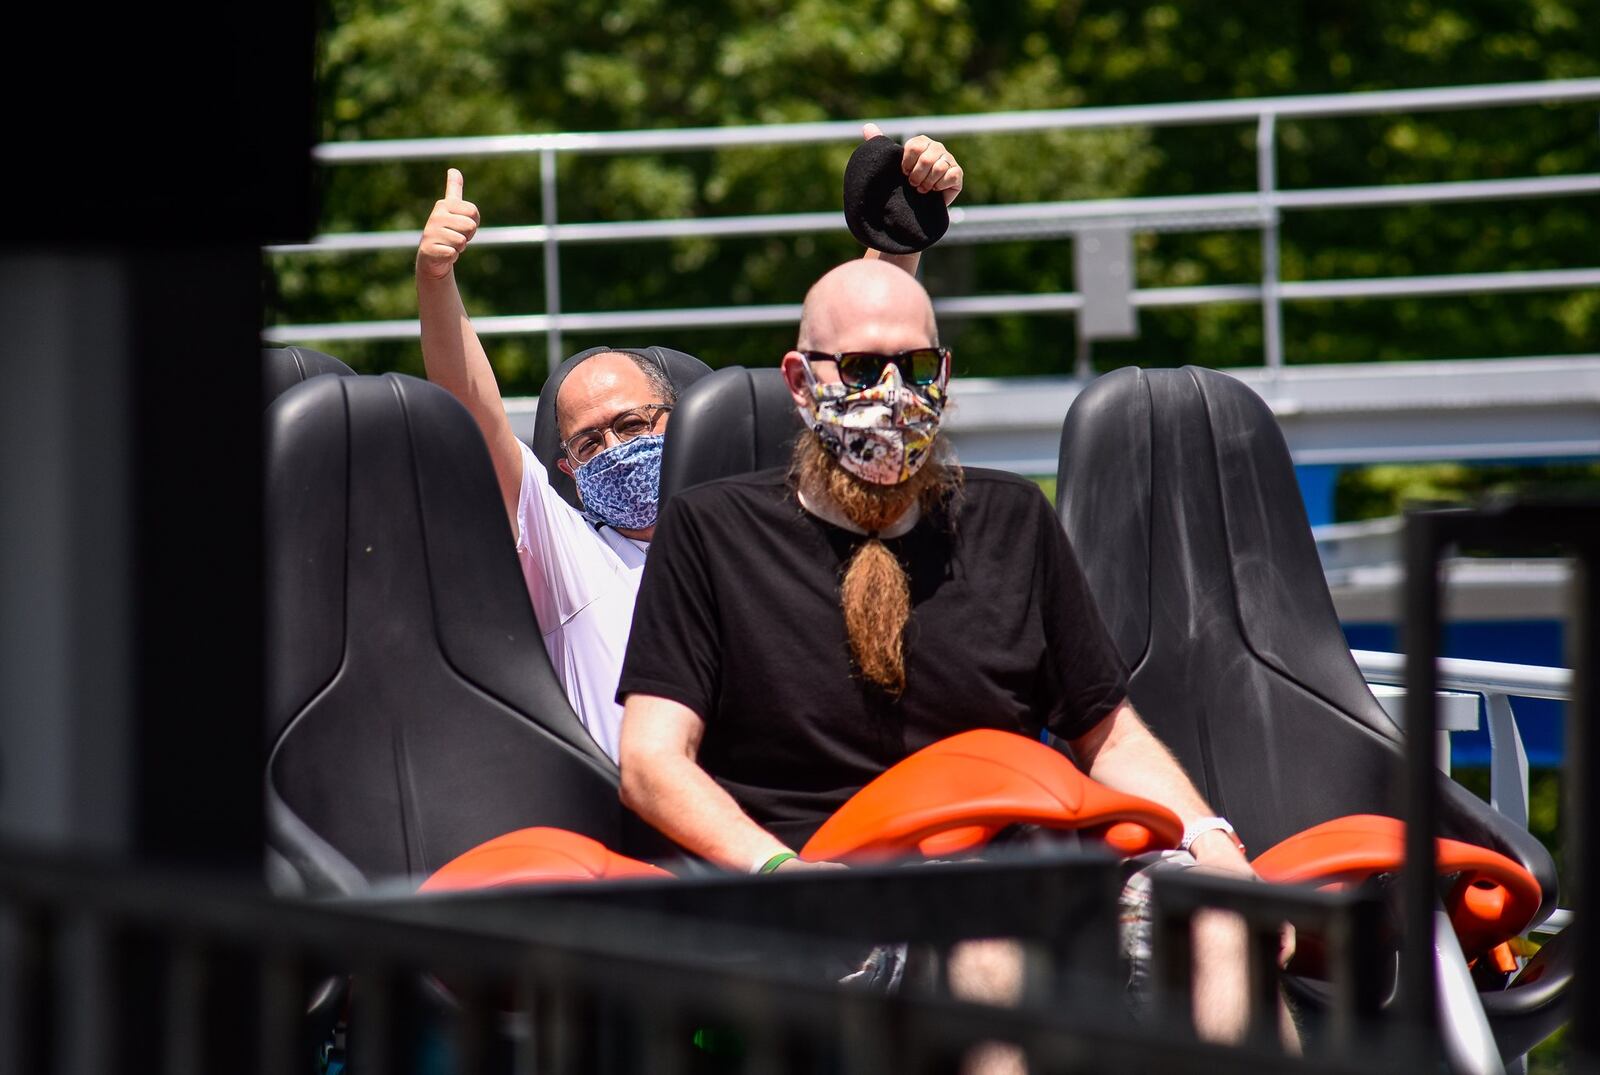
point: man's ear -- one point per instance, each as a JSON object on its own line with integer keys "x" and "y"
{"x": 566, "y": 467}
{"x": 794, "y": 375}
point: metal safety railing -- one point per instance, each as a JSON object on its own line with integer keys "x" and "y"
{"x": 1259, "y": 209}
{"x": 108, "y": 969}
{"x": 1497, "y": 683}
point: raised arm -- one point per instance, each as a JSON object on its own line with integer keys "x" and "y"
{"x": 929, "y": 166}
{"x": 451, "y": 352}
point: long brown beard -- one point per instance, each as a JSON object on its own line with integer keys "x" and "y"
{"x": 874, "y": 592}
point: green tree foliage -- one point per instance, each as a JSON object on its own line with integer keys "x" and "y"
{"x": 469, "y": 67}
{"x": 1387, "y": 489}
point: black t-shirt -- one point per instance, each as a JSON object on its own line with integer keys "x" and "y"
{"x": 738, "y": 618}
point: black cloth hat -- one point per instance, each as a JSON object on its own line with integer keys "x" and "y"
{"x": 681, "y": 370}
{"x": 882, "y": 209}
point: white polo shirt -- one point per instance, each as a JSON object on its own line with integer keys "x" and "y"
{"x": 582, "y": 582}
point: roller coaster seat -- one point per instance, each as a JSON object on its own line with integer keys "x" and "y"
{"x": 284, "y": 367}
{"x": 735, "y": 421}
{"x": 412, "y": 712}
{"x": 1177, "y": 489}
{"x": 1178, "y": 492}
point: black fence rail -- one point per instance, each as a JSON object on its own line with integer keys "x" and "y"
{"x": 1343, "y": 926}
{"x": 1505, "y": 527}
{"x": 109, "y": 970}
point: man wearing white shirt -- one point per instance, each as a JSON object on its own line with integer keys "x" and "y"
{"x": 581, "y": 578}
{"x": 611, "y": 409}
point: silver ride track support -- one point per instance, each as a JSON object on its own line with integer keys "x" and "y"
{"x": 552, "y": 256}
{"x": 1267, "y": 185}
{"x": 1508, "y": 760}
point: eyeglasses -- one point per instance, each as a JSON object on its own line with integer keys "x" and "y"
{"x": 862, "y": 369}
{"x": 585, "y": 444}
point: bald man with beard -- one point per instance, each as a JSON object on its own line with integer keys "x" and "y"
{"x": 799, "y": 631}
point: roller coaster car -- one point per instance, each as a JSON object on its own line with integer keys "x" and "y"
{"x": 416, "y": 728}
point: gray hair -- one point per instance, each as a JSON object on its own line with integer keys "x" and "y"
{"x": 657, "y": 376}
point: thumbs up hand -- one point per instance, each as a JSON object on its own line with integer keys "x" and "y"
{"x": 450, "y": 227}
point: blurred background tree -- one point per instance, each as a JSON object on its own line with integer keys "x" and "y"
{"x": 472, "y": 67}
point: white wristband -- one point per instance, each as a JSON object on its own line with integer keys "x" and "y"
{"x": 1200, "y": 826}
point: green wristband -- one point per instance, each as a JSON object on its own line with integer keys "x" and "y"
{"x": 777, "y": 860}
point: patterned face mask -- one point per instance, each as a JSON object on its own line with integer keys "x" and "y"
{"x": 621, "y": 485}
{"x": 881, "y": 434}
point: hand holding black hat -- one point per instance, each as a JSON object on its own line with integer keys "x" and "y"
{"x": 926, "y": 164}
{"x": 896, "y": 197}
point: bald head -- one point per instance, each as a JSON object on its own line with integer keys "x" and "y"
{"x": 605, "y": 384}
{"x": 867, "y": 305}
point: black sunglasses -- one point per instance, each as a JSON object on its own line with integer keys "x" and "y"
{"x": 863, "y": 369}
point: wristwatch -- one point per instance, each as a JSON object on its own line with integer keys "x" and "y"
{"x": 1202, "y": 825}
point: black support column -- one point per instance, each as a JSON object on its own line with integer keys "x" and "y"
{"x": 158, "y": 150}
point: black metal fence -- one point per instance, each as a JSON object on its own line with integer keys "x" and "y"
{"x": 1503, "y": 528}
{"x": 107, "y": 970}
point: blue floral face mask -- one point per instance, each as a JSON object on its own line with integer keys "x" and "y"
{"x": 621, "y": 485}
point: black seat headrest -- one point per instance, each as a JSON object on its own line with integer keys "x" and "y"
{"x": 284, "y": 367}
{"x": 681, "y": 370}
{"x": 735, "y": 421}
{"x": 1178, "y": 492}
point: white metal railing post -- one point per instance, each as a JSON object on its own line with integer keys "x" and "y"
{"x": 1267, "y": 186}
{"x": 1508, "y": 760}
{"x": 1508, "y": 757}
{"x": 552, "y": 255}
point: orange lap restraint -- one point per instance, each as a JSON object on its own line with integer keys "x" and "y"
{"x": 954, "y": 795}
{"x": 1493, "y": 899}
{"x": 535, "y": 856}
{"x": 948, "y": 797}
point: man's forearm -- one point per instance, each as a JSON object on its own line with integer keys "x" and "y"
{"x": 908, "y": 262}
{"x": 679, "y": 798}
{"x": 1141, "y": 765}
{"x": 1125, "y": 755}
{"x": 451, "y": 351}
